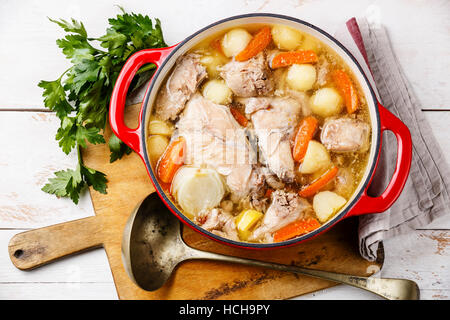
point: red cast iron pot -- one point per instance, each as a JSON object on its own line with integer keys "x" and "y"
{"x": 381, "y": 120}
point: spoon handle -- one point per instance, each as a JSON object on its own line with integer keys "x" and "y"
{"x": 393, "y": 289}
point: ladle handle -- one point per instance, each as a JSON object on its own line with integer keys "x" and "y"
{"x": 393, "y": 289}
{"x": 31, "y": 249}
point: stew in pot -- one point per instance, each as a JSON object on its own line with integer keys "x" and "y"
{"x": 260, "y": 133}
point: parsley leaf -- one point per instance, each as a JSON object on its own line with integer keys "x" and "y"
{"x": 70, "y": 183}
{"x": 76, "y": 48}
{"x": 58, "y": 185}
{"x": 67, "y": 183}
{"x": 94, "y": 178}
{"x": 55, "y": 97}
{"x": 88, "y": 134}
{"x": 80, "y": 96}
{"x": 66, "y": 134}
{"x": 74, "y": 26}
{"x": 71, "y": 133}
{"x": 118, "y": 148}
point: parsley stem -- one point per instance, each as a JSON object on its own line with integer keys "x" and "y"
{"x": 145, "y": 68}
{"x": 80, "y": 158}
{"x": 64, "y": 73}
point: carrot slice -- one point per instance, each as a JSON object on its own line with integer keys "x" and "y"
{"x": 240, "y": 118}
{"x": 345, "y": 86}
{"x": 268, "y": 193}
{"x": 171, "y": 160}
{"x": 295, "y": 229}
{"x": 258, "y": 43}
{"x": 305, "y": 133}
{"x": 286, "y": 59}
{"x": 314, "y": 187}
{"x": 165, "y": 187}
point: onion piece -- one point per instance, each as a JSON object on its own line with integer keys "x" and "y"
{"x": 197, "y": 189}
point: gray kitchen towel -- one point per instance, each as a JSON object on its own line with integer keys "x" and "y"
{"x": 426, "y": 195}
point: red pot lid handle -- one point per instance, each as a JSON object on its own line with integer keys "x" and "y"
{"x": 131, "y": 137}
{"x": 368, "y": 204}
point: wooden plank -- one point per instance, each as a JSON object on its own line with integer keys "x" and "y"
{"x": 29, "y": 157}
{"x": 421, "y": 256}
{"x": 413, "y": 43}
{"x": 342, "y": 292}
{"x": 335, "y": 293}
{"x": 105, "y": 291}
{"x": 57, "y": 291}
{"x": 26, "y": 24}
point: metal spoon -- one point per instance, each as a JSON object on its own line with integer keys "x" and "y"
{"x": 152, "y": 247}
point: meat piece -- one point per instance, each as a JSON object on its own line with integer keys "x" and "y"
{"x": 249, "y": 78}
{"x": 252, "y": 138}
{"x": 218, "y": 222}
{"x": 214, "y": 139}
{"x": 279, "y": 80}
{"x": 257, "y": 190}
{"x": 179, "y": 87}
{"x": 274, "y": 128}
{"x": 322, "y": 71}
{"x": 345, "y": 135}
{"x": 344, "y": 182}
{"x": 255, "y": 186}
{"x": 254, "y": 104}
{"x": 257, "y": 180}
{"x": 303, "y": 99}
{"x": 286, "y": 207}
{"x": 227, "y": 205}
{"x": 271, "y": 179}
{"x": 259, "y": 204}
{"x": 239, "y": 180}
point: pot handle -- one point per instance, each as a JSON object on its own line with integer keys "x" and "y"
{"x": 368, "y": 204}
{"x": 131, "y": 137}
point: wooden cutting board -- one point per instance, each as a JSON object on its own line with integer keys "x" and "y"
{"x": 336, "y": 250}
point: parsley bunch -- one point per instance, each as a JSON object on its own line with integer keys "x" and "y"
{"x": 80, "y": 96}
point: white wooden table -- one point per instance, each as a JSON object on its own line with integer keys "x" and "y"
{"x": 29, "y": 154}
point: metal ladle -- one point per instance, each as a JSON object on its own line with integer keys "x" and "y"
{"x": 152, "y": 247}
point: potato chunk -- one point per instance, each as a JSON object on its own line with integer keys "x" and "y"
{"x": 212, "y": 62}
{"x": 156, "y": 145}
{"x": 217, "y": 91}
{"x": 309, "y": 43}
{"x": 234, "y": 41}
{"x": 160, "y": 127}
{"x": 245, "y": 221}
{"x": 326, "y": 204}
{"x": 301, "y": 76}
{"x": 286, "y": 38}
{"x": 316, "y": 158}
{"x": 326, "y": 102}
